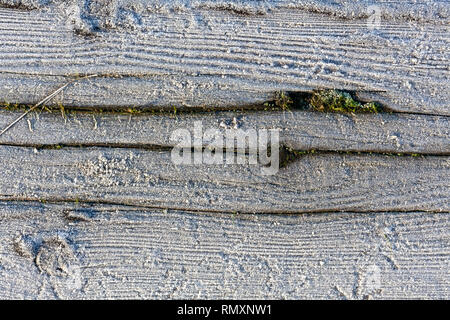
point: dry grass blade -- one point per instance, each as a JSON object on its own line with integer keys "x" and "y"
{"x": 45, "y": 100}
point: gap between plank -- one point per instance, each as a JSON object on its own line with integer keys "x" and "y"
{"x": 198, "y": 211}
{"x": 284, "y": 150}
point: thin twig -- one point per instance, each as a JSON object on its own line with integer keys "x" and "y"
{"x": 48, "y": 98}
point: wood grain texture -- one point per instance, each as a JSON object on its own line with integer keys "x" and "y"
{"x": 66, "y": 251}
{"x": 311, "y": 183}
{"x": 210, "y": 54}
{"x": 117, "y": 219}
{"x": 299, "y": 130}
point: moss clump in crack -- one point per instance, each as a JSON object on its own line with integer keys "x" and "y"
{"x": 340, "y": 101}
{"x": 12, "y": 106}
{"x": 283, "y": 101}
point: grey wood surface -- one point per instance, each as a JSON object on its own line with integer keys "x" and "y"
{"x": 207, "y": 53}
{"x": 299, "y": 130}
{"x": 317, "y": 182}
{"x": 92, "y": 206}
{"x": 70, "y": 251}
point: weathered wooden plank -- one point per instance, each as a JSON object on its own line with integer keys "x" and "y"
{"x": 209, "y": 54}
{"x": 224, "y": 54}
{"x": 299, "y": 130}
{"x": 70, "y": 251}
{"x": 311, "y": 183}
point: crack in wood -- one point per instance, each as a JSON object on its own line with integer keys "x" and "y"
{"x": 74, "y": 215}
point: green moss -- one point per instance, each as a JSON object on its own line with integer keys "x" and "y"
{"x": 50, "y": 147}
{"x": 12, "y": 106}
{"x": 17, "y": 107}
{"x": 339, "y": 101}
{"x": 282, "y": 101}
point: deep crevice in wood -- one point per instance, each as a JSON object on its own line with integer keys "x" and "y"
{"x": 298, "y": 100}
{"x": 81, "y": 202}
{"x": 286, "y": 153}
